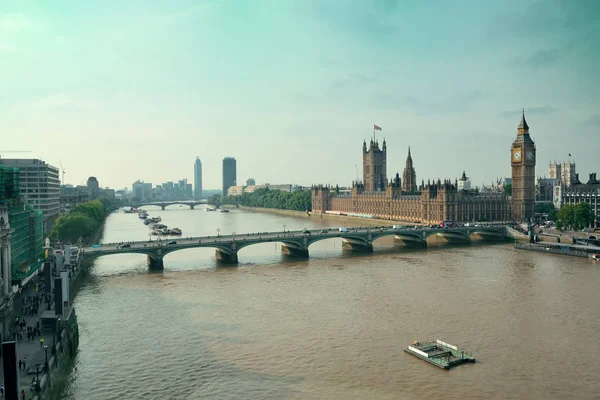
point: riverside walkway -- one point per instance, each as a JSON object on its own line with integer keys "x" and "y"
{"x": 294, "y": 242}
{"x": 30, "y": 350}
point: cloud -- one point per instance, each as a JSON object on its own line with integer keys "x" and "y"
{"x": 353, "y": 80}
{"x": 541, "y": 58}
{"x": 457, "y": 103}
{"x": 58, "y": 100}
{"x": 593, "y": 121}
{"x": 16, "y": 22}
{"x": 180, "y": 15}
{"x": 542, "y": 110}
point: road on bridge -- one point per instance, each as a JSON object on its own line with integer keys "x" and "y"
{"x": 259, "y": 236}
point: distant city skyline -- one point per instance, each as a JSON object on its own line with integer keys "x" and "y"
{"x": 136, "y": 91}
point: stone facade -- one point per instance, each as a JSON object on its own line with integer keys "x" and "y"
{"x": 374, "y": 166}
{"x": 523, "y": 174}
{"x": 432, "y": 202}
{"x": 409, "y": 176}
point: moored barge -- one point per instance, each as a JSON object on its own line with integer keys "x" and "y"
{"x": 440, "y": 354}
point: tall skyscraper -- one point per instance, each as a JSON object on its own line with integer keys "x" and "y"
{"x": 229, "y": 173}
{"x": 93, "y": 187}
{"x": 523, "y": 174}
{"x": 198, "y": 179}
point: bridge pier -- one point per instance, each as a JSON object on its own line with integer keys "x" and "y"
{"x": 162, "y": 207}
{"x": 358, "y": 247}
{"x": 155, "y": 264}
{"x": 410, "y": 242}
{"x": 294, "y": 251}
{"x": 226, "y": 257}
{"x": 192, "y": 206}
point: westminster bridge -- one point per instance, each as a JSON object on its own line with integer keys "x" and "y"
{"x": 294, "y": 243}
{"x": 164, "y": 204}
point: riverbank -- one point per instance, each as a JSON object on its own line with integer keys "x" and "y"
{"x": 335, "y": 220}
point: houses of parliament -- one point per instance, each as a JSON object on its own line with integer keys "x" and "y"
{"x": 402, "y": 199}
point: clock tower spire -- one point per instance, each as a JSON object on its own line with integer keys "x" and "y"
{"x": 522, "y": 157}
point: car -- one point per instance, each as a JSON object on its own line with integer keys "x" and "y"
{"x": 125, "y": 245}
{"x": 324, "y": 231}
{"x": 172, "y": 242}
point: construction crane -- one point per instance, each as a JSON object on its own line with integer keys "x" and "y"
{"x": 62, "y": 170}
{"x": 13, "y": 151}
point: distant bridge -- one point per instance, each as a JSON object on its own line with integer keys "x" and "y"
{"x": 164, "y": 204}
{"x": 294, "y": 242}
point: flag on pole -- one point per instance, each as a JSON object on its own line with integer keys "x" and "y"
{"x": 376, "y": 127}
{"x": 570, "y": 155}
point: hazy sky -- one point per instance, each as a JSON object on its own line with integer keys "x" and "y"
{"x": 127, "y": 90}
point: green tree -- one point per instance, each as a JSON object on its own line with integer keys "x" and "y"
{"x": 81, "y": 222}
{"x": 300, "y": 200}
{"x": 566, "y": 216}
{"x": 582, "y": 215}
{"x": 508, "y": 189}
{"x": 546, "y": 208}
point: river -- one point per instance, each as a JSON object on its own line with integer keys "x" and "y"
{"x": 333, "y": 326}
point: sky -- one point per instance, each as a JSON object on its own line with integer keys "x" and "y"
{"x": 130, "y": 89}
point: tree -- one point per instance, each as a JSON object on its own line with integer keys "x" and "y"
{"x": 508, "y": 189}
{"x": 583, "y": 215}
{"x": 546, "y": 208}
{"x": 300, "y": 200}
{"x": 81, "y": 222}
{"x": 566, "y": 216}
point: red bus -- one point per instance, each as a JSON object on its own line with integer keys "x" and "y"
{"x": 447, "y": 224}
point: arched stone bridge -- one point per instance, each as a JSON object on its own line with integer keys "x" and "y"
{"x": 164, "y": 204}
{"x": 293, "y": 242}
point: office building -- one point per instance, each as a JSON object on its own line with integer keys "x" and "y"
{"x": 198, "y": 179}
{"x": 40, "y": 187}
{"x": 229, "y": 173}
{"x": 142, "y": 191}
{"x": 588, "y": 192}
{"x": 93, "y": 187}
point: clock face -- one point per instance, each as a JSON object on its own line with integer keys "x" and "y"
{"x": 530, "y": 155}
{"x": 517, "y": 155}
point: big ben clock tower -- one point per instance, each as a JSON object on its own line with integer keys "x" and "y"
{"x": 522, "y": 156}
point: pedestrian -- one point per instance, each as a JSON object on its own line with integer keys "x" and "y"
{"x": 23, "y": 394}
{"x": 41, "y": 341}
{"x": 24, "y": 364}
{"x": 20, "y": 364}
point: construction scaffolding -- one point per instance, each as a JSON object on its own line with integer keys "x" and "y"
{"x": 27, "y": 227}
{"x": 27, "y": 241}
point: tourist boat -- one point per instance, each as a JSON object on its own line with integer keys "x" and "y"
{"x": 595, "y": 257}
{"x": 209, "y": 209}
{"x": 175, "y": 231}
{"x": 440, "y": 354}
{"x": 156, "y": 232}
{"x": 164, "y": 231}
{"x": 222, "y": 210}
{"x": 147, "y": 222}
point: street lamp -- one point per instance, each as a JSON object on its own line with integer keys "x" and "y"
{"x": 46, "y": 366}
{"x": 54, "y": 337}
{"x": 218, "y": 232}
{"x": 283, "y": 228}
{"x": 37, "y": 378}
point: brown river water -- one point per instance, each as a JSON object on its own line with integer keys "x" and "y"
{"x": 333, "y": 326}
